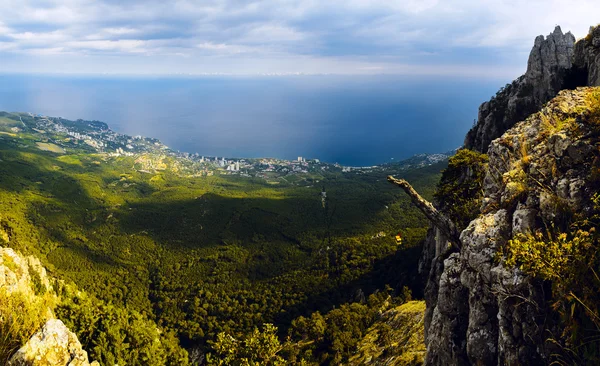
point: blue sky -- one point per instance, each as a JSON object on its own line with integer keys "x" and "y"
{"x": 488, "y": 38}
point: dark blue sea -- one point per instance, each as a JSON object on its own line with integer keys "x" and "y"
{"x": 353, "y": 120}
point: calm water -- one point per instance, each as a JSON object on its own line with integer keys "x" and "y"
{"x": 350, "y": 120}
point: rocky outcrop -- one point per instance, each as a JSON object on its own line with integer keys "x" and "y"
{"x": 22, "y": 274}
{"x": 478, "y": 310}
{"x": 549, "y": 60}
{"x": 587, "y": 57}
{"x": 53, "y": 345}
{"x": 556, "y": 62}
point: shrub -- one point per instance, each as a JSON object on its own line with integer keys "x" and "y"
{"x": 460, "y": 192}
{"x": 257, "y": 348}
{"x": 571, "y": 261}
{"x": 549, "y": 258}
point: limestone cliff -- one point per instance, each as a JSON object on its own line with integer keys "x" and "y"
{"x": 556, "y": 62}
{"x": 543, "y": 162}
{"x": 481, "y": 311}
{"x": 587, "y": 57}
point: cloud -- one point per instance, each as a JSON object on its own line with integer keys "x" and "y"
{"x": 353, "y": 36}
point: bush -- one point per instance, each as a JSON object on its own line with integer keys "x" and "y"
{"x": 571, "y": 261}
{"x": 459, "y": 192}
{"x": 257, "y": 348}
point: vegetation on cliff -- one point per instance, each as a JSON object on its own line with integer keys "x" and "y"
{"x": 565, "y": 250}
{"x": 460, "y": 190}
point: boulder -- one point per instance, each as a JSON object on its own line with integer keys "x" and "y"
{"x": 53, "y": 345}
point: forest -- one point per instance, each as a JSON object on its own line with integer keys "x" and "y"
{"x": 205, "y": 257}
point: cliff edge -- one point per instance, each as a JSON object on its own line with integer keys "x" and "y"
{"x": 556, "y": 62}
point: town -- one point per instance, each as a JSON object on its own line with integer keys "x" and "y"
{"x": 60, "y": 135}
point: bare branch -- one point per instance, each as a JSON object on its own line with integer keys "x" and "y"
{"x": 438, "y": 219}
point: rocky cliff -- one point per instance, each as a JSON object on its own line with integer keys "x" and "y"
{"x": 483, "y": 306}
{"x": 556, "y": 62}
{"x": 27, "y": 299}
{"x": 587, "y": 57}
{"x": 481, "y": 310}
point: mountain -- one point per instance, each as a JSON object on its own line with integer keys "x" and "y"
{"x": 556, "y": 62}
{"x": 159, "y": 257}
{"x": 513, "y": 278}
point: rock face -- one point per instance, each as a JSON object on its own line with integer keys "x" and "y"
{"x": 23, "y": 274}
{"x": 556, "y": 62}
{"x": 478, "y": 310}
{"x": 587, "y": 56}
{"x": 53, "y": 345}
{"x": 548, "y": 61}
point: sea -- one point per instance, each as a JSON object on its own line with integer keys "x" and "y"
{"x": 350, "y": 120}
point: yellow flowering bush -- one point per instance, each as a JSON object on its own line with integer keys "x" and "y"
{"x": 546, "y": 257}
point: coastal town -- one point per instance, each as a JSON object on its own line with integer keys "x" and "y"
{"x": 60, "y": 135}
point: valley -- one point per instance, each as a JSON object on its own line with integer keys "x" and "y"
{"x": 201, "y": 254}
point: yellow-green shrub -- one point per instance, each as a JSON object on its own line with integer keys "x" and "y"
{"x": 571, "y": 261}
{"x": 21, "y": 315}
{"x": 547, "y": 257}
{"x": 257, "y": 348}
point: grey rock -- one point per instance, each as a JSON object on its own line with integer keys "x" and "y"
{"x": 549, "y": 61}
{"x": 548, "y": 56}
{"x": 53, "y": 345}
{"x": 524, "y": 221}
{"x": 587, "y": 56}
{"x": 16, "y": 272}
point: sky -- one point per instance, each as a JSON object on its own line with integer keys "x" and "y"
{"x": 465, "y": 38}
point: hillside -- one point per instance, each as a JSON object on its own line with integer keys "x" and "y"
{"x": 161, "y": 237}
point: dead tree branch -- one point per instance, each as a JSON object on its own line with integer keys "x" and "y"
{"x": 438, "y": 219}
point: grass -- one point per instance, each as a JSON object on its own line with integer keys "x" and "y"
{"x": 45, "y": 146}
{"x": 20, "y": 317}
{"x": 593, "y": 105}
{"x": 397, "y": 338}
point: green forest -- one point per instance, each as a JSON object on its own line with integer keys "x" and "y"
{"x": 212, "y": 259}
